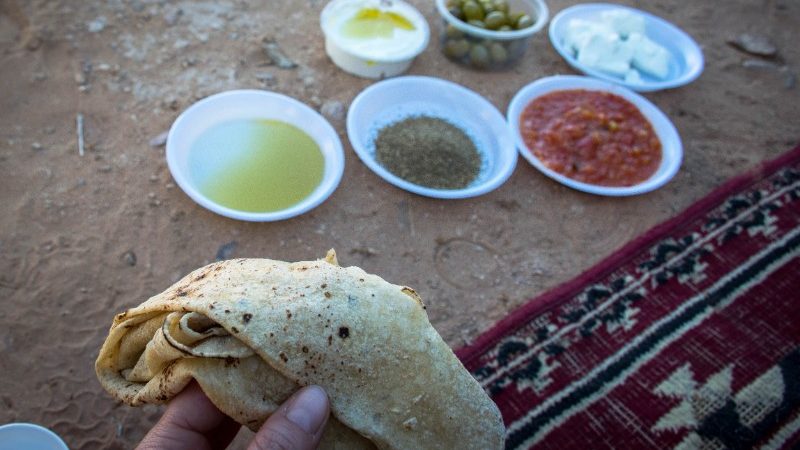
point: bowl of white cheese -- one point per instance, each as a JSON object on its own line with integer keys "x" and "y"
{"x": 626, "y": 46}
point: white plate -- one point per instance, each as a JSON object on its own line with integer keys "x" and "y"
{"x": 671, "y": 147}
{"x": 392, "y": 100}
{"x": 687, "y": 58}
{"x": 253, "y": 104}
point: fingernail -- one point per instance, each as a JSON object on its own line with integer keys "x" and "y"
{"x": 309, "y": 409}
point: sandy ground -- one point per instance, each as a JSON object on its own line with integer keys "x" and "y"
{"x": 84, "y": 237}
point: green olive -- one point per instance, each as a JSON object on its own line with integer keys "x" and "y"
{"x": 498, "y": 53}
{"x": 501, "y": 5}
{"x": 479, "y": 56}
{"x": 514, "y": 18}
{"x": 456, "y": 48}
{"x": 487, "y": 6}
{"x": 505, "y": 28}
{"x": 495, "y": 20}
{"x": 472, "y": 11}
{"x": 524, "y": 22}
{"x": 517, "y": 47}
{"x": 453, "y": 32}
{"x": 477, "y": 23}
{"x": 457, "y": 12}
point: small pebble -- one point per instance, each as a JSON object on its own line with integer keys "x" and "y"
{"x": 364, "y": 251}
{"x": 36, "y": 146}
{"x": 790, "y": 80}
{"x": 160, "y": 140}
{"x": 171, "y": 103}
{"x": 333, "y": 110}
{"x": 225, "y": 251}
{"x": 130, "y": 258}
{"x": 97, "y": 25}
{"x": 265, "y": 77}
{"x": 760, "y": 64}
{"x": 754, "y": 44}
{"x": 176, "y": 215}
{"x": 275, "y": 55}
{"x": 80, "y": 78}
{"x": 789, "y": 77}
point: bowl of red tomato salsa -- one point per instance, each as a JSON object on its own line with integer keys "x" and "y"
{"x": 595, "y": 136}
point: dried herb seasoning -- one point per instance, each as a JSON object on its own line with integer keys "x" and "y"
{"x": 428, "y": 151}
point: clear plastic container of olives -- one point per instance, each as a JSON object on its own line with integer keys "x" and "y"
{"x": 489, "y": 34}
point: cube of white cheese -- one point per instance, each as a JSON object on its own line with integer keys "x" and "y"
{"x": 578, "y": 32}
{"x": 623, "y": 22}
{"x": 606, "y": 53}
{"x": 648, "y": 56}
{"x": 633, "y": 77}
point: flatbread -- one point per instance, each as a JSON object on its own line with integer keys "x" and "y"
{"x": 253, "y": 331}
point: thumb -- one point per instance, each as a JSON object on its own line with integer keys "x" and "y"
{"x": 297, "y": 425}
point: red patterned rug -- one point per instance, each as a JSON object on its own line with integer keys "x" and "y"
{"x": 688, "y": 337}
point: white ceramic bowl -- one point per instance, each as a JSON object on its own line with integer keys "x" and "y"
{"x": 371, "y": 64}
{"x": 687, "y": 57}
{"x": 671, "y": 147}
{"x": 253, "y": 104}
{"x": 515, "y": 42}
{"x": 391, "y": 100}
{"x": 28, "y": 436}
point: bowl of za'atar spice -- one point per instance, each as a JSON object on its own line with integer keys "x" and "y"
{"x": 595, "y": 136}
{"x": 431, "y": 137}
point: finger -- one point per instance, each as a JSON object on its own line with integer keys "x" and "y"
{"x": 221, "y": 436}
{"x": 188, "y": 420}
{"x": 297, "y": 425}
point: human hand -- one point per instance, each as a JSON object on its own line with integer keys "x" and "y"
{"x": 191, "y": 421}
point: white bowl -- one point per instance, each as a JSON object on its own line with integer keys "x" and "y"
{"x": 515, "y": 41}
{"x": 244, "y": 105}
{"x": 28, "y": 436}
{"x": 687, "y": 57}
{"x": 391, "y": 100}
{"x": 376, "y": 62}
{"x": 671, "y": 147}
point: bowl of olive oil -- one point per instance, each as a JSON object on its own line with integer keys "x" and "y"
{"x": 254, "y": 155}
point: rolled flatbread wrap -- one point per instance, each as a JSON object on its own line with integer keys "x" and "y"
{"x": 253, "y": 331}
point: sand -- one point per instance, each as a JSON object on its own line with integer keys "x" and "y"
{"x": 84, "y": 237}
